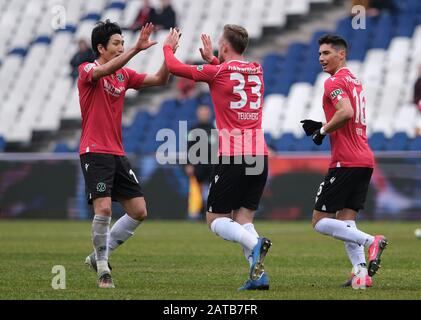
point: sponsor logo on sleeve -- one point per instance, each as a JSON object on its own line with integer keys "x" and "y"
{"x": 336, "y": 93}
{"x": 88, "y": 67}
{"x": 199, "y": 68}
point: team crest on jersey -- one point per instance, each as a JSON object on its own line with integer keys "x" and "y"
{"x": 88, "y": 67}
{"x": 336, "y": 93}
{"x": 199, "y": 68}
{"x": 120, "y": 77}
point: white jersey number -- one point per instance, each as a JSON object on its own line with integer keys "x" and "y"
{"x": 360, "y": 106}
{"x": 239, "y": 89}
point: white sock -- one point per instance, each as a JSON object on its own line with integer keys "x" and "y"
{"x": 250, "y": 228}
{"x": 100, "y": 234}
{"x": 340, "y": 230}
{"x": 230, "y": 230}
{"x": 355, "y": 251}
{"x": 122, "y": 230}
{"x": 247, "y": 253}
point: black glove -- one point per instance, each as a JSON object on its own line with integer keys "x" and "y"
{"x": 318, "y": 137}
{"x": 310, "y": 126}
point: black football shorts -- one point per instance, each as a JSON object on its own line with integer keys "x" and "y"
{"x": 343, "y": 188}
{"x": 108, "y": 175}
{"x": 237, "y": 185}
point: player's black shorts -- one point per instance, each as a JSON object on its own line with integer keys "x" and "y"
{"x": 203, "y": 172}
{"x": 343, "y": 188}
{"x": 232, "y": 187}
{"x": 108, "y": 175}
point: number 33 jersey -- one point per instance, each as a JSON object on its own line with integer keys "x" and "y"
{"x": 237, "y": 93}
{"x": 349, "y": 144}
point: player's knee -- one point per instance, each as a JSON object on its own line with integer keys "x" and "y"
{"x": 140, "y": 214}
{"x": 103, "y": 210}
{"x": 209, "y": 220}
{"x": 314, "y": 222}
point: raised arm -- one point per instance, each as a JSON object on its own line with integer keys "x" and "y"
{"x": 113, "y": 65}
{"x": 158, "y": 79}
{"x": 207, "y": 51}
{"x": 173, "y": 64}
{"x": 162, "y": 76}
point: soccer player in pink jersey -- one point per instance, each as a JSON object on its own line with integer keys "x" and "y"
{"x": 343, "y": 192}
{"x": 236, "y": 87}
{"x": 108, "y": 174}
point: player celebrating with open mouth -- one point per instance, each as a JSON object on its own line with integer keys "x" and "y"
{"x": 344, "y": 189}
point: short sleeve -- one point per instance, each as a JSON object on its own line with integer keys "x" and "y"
{"x": 86, "y": 71}
{"x": 335, "y": 90}
{"x": 135, "y": 79}
{"x": 205, "y": 73}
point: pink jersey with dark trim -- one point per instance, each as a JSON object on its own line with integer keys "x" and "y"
{"x": 101, "y": 106}
{"x": 349, "y": 144}
{"x": 237, "y": 91}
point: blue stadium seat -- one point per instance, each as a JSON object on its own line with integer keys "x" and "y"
{"x": 116, "y": 5}
{"x": 141, "y": 120}
{"x": 415, "y": 144}
{"x": 43, "y": 39}
{"x": 62, "y": 147}
{"x": 410, "y": 6}
{"x": 382, "y": 32}
{"x": 344, "y": 27}
{"x": 377, "y": 141}
{"x": 68, "y": 28}
{"x": 295, "y": 50}
{"x": 399, "y": 142}
{"x": 406, "y": 24}
{"x": 305, "y": 144}
{"x": 129, "y": 146}
{"x": 18, "y": 51}
{"x": 92, "y": 16}
{"x": 325, "y": 147}
{"x": 285, "y": 143}
{"x": 167, "y": 109}
{"x": 2, "y": 144}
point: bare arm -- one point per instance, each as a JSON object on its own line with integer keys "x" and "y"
{"x": 343, "y": 114}
{"x": 158, "y": 79}
{"x": 113, "y": 65}
{"x": 163, "y": 75}
{"x": 173, "y": 64}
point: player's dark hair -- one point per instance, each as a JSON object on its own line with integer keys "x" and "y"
{"x": 237, "y": 36}
{"x": 337, "y": 42}
{"x": 102, "y": 33}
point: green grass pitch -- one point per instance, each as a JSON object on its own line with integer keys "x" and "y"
{"x": 183, "y": 260}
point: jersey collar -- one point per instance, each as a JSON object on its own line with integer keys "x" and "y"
{"x": 237, "y": 61}
{"x": 343, "y": 68}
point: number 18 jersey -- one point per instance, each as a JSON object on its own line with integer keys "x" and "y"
{"x": 237, "y": 92}
{"x": 349, "y": 144}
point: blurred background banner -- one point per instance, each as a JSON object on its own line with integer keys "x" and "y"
{"x": 51, "y": 186}
{"x": 395, "y": 189}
